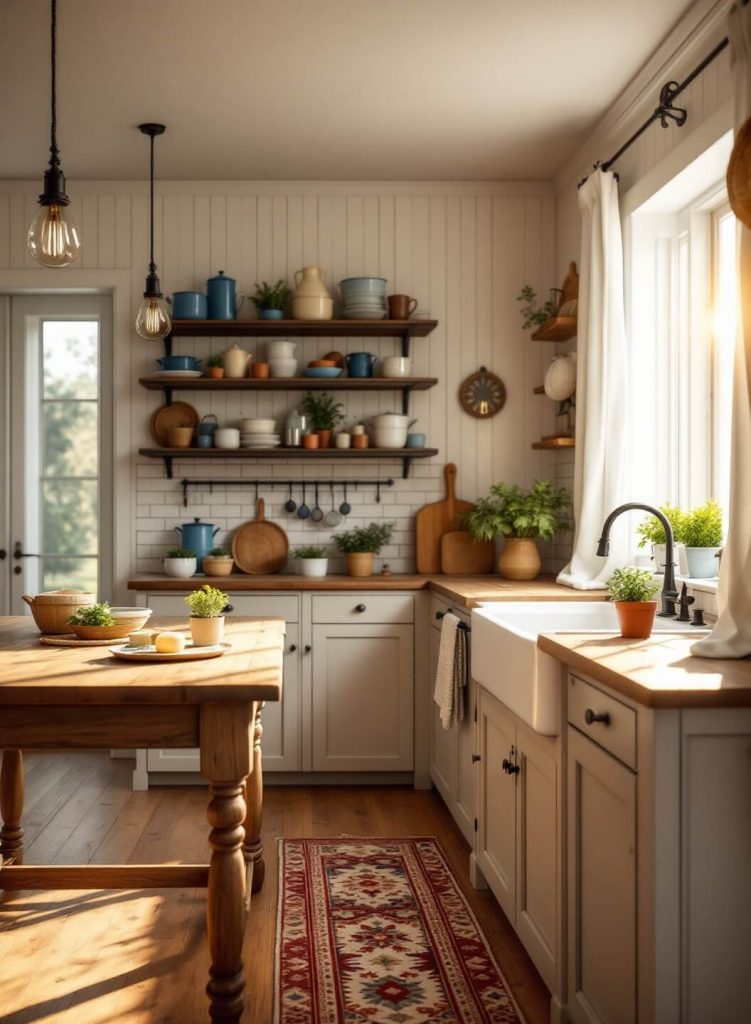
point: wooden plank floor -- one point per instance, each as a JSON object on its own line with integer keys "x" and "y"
{"x": 95, "y": 957}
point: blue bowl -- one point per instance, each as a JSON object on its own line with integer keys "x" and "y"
{"x": 179, "y": 363}
{"x": 322, "y": 371}
{"x": 189, "y": 306}
{"x": 415, "y": 440}
{"x": 351, "y": 287}
{"x": 271, "y": 314}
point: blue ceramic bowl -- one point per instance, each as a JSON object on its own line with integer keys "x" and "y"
{"x": 355, "y": 287}
{"x": 189, "y": 306}
{"x": 322, "y": 371}
{"x": 271, "y": 314}
{"x": 415, "y": 440}
{"x": 179, "y": 363}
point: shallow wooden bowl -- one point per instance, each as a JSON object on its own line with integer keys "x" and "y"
{"x": 117, "y": 632}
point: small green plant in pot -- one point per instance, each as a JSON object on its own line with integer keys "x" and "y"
{"x": 361, "y": 545}
{"x": 632, "y": 591}
{"x": 313, "y": 560}
{"x": 206, "y": 608}
{"x": 702, "y": 535}
{"x": 96, "y": 622}
{"x": 324, "y": 414}
{"x": 650, "y": 531}
{"x": 522, "y": 518}
{"x": 218, "y": 562}
{"x": 271, "y": 299}
{"x": 180, "y": 562}
{"x": 215, "y": 367}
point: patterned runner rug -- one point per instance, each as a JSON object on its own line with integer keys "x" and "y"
{"x": 376, "y": 931}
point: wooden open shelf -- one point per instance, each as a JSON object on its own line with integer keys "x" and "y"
{"x": 403, "y": 455}
{"x": 554, "y": 442}
{"x": 539, "y": 390}
{"x": 302, "y": 328}
{"x": 289, "y": 384}
{"x": 559, "y": 328}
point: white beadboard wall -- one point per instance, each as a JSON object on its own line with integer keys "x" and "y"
{"x": 463, "y": 250}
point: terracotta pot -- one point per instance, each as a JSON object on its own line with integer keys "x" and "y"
{"x": 206, "y": 632}
{"x": 310, "y": 440}
{"x": 324, "y": 438}
{"x": 259, "y": 370}
{"x": 636, "y": 618}
{"x": 217, "y": 565}
{"x": 360, "y": 563}
{"x": 216, "y": 372}
{"x": 360, "y": 441}
{"x": 520, "y": 559}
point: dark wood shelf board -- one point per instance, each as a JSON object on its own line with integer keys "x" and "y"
{"x": 302, "y": 328}
{"x": 554, "y": 442}
{"x": 559, "y": 328}
{"x": 539, "y": 390}
{"x": 289, "y": 384}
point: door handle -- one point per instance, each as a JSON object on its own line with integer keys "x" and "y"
{"x": 18, "y": 552}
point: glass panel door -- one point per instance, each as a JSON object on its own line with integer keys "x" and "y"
{"x": 60, "y": 439}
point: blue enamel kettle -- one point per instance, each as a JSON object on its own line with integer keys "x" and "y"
{"x": 222, "y": 300}
{"x": 198, "y": 537}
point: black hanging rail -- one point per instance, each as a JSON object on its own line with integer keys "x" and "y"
{"x": 189, "y": 482}
{"x": 666, "y": 111}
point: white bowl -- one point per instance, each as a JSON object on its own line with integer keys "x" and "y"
{"x": 180, "y": 567}
{"x": 255, "y": 426}
{"x": 390, "y": 437}
{"x": 227, "y": 437}
{"x": 283, "y": 368}
{"x": 396, "y": 366}
{"x": 392, "y": 419}
{"x": 280, "y": 350}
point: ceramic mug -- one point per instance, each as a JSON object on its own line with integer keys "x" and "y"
{"x": 360, "y": 441}
{"x": 227, "y": 437}
{"x": 205, "y": 440}
{"x": 401, "y": 307}
{"x": 360, "y": 364}
{"x": 343, "y": 440}
{"x": 396, "y": 366}
{"x": 415, "y": 440}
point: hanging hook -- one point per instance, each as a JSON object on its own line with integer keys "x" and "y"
{"x": 667, "y": 110}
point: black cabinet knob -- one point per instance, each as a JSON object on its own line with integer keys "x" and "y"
{"x": 476, "y": 758}
{"x": 229, "y": 608}
{"x": 292, "y": 647}
{"x": 3, "y": 554}
{"x": 360, "y": 608}
{"x": 591, "y": 716}
{"x": 307, "y": 648}
{"x": 509, "y": 767}
{"x": 17, "y": 570}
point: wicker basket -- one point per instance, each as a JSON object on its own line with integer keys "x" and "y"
{"x": 52, "y": 610}
{"x": 117, "y": 632}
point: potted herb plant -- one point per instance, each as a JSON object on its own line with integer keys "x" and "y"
{"x": 702, "y": 535}
{"x": 181, "y": 562}
{"x": 632, "y": 591}
{"x": 361, "y": 545}
{"x": 532, "y": 317}
{"x": 651, "y": 532}
{"x": 324, "y": 415}
{"x": 522, "y": 518}
{"x": 271, "y": 299}
{"x": 206, "y": 608}
{"x": 96, "y": 622}
{"x": 218, "y": 562}
{"x": 215, "y": 367}
{"x": 313, "y": 560}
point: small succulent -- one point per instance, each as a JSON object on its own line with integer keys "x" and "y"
{"x": 220, "y": 552}
{"x": 215, "y": 361}
{"x": 309, "y": 551}
{"x": 181, "y": 553}
{"x": 271, "y": 296}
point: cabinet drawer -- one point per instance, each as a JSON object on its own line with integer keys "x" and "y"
{"x": 616, "y": 732}
{"x": 363, "y": 608}
{"x": 276, "y": 606}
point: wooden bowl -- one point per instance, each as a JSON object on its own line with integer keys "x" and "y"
{"x": 117, "y": 632}
{"x": 328, "y": 363}
{"x": 739, "y": 175}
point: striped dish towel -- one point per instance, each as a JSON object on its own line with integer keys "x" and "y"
{"x": 451, "y": 673}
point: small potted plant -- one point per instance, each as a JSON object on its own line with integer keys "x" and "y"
{"x": 324, "y": 415}
{"x": 361, "y": 545}
{"x": 215, "y": 367}
{"x": 96, "y": 622}
{"x": 206, "y": 608}
{"x": 651, "y": 531}
{"x": 218, "y": 562}
{"x": 180, "y": 562}
{"x": 271, "y": 299}
{"x": 702, "y": 535}
{"x": 313, "y": 560}
{"x": 522, "y": 518}
{"x": 532, "y": 317}
{"x": 632, "y": 591}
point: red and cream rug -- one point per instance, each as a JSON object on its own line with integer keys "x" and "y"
{"x": 376, "y": 931}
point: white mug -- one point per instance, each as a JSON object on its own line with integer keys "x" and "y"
{"x": 227, "y": 437}
{"x": 343, "y": 440}
{"x": 358, "y": 429}
{"x": 396, "y": 366}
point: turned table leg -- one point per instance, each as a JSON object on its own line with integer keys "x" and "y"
{"x": 11, "y": 806}
{"x": 253, "y": 847}
{"x": 225, "y": 761}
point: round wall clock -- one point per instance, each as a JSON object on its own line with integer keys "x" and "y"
{"x": 482, "y": 394}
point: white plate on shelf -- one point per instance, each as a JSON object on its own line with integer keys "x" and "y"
{"x": 177, "y": 374}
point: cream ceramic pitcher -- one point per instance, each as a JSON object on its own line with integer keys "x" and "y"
{"x": 235, "y": 361}
{"x": 311, "y": 300}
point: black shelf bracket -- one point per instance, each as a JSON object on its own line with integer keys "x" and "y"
{"x": 406, "y": 466}
{"x": 406, "y": 342}
{"x": 168, "y": 467}
{"x": 168, "y": 345}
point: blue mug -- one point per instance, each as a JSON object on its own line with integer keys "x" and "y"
{"x": 205, "y": 440}
{"x": 207, "y": 426}
{"x": 189, "y": 306}
{"x": 360, "y": 364}
{"x": 222, "y": 301}
{"x": 415, "y": 440}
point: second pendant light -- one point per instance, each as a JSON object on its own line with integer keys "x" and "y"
{"x": 153, "y": 320}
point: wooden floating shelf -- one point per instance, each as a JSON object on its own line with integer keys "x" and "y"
{"x": 403, "y": 455}
{"x": 554, "y": 442}
{"x": 559, "y": 328}
{"x": 289, "y": 384}
{"x": 302, "y": 328}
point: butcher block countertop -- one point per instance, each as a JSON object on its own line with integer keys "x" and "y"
{"x": 467, "y": 591}
{"x": 659, "y": 672}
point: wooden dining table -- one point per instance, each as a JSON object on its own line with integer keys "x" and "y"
{"x": 63, "y": 698}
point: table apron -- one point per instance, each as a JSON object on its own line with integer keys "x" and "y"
{"x": 98, "y": 726}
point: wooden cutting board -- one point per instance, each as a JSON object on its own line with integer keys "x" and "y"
{"x": 260, "y": 547}
{"x": 462, "y": 555}
{"x": 432, "y": 521}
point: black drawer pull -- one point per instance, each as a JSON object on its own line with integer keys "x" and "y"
{"x": 591, "y": 716}
{"x": 360, "y": 608}
{"x": 476, "y": 758}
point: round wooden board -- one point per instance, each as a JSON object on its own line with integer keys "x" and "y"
{"x": 260, "y": 547}
{"x": 189, "y": 654}
{"x": 70, "y": 640}
{"x": 178, "y": 414}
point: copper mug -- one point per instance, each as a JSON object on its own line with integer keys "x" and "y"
{"x": 401, "y": 307}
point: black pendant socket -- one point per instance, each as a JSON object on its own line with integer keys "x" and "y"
{"x": 153, "y": 287}
{"x": 54, "y": 188}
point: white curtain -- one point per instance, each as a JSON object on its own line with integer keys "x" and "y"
{"x": 600, "y": 461}
{"x": 731, "y": 636}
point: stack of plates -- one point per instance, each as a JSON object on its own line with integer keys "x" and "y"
{"x": 363, "y": 298}
{"x": 259, "y": 440}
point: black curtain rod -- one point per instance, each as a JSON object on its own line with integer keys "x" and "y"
{"x": 666, "y": 111}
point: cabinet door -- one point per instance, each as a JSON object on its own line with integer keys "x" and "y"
{"x": 496, "y": 813}
{"x": 537, "y": 835}
{"x": 601, "y": 885}
{"x": 363, "y": 695}
{"x": 442, "y": 741}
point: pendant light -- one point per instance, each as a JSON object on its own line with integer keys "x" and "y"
{"x": 53, "y": 238}
{"x": 153, "y": 321}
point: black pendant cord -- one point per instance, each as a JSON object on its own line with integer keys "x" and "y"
{"x": 153, "y": 288}
{"x": 666, "y": 112}
{"x": 152, "y": 265}
{"x": 54, "y": 154}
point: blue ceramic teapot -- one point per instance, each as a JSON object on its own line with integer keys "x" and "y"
{"x": 222, "y": 300}
{"x": 198, "y": 537}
